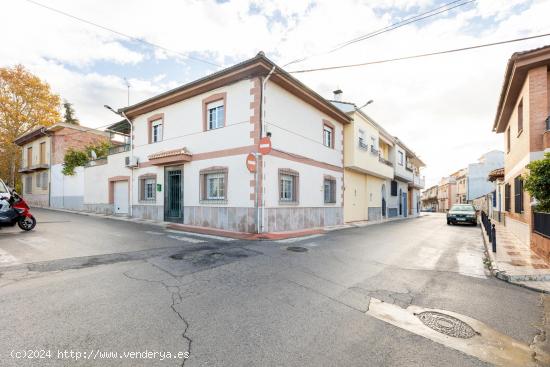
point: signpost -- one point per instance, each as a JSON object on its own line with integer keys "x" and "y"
{"x": 251, "y": 162}
{"x": 265, "y": 145}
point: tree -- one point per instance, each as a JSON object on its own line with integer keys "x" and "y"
{"x": 25, "y": 103}
{"x": 537, "y": 182}
{"x": 69, "y": 116}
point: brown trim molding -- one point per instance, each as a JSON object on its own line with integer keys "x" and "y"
{"x": 150, "y": 120}
{"x": 305, "y": 160}
{"x": 250, "y": 148}
{"x": 213, "y": 98}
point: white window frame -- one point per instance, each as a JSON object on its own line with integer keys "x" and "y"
{"x": 157, "y": 130}
{"x": 215, "y": 186}
{"x": 287, "y": 192}
{"x": 215, "y": 114}
{"x": 149, "y": 183}
{"x": 328, "y": 136}
{"x": 331, "y": 184}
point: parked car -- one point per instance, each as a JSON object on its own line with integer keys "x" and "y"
{"x": 462, "y": 213}
{"x": 4, "y": 190}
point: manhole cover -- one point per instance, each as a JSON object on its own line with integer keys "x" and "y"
{"x": 446, "y": 324}
{"x": 177, "y": 256}
{"x": 296, "y": 249}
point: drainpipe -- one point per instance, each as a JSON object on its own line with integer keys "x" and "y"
{"x": 131, "y": 188}
{"x": 259, "y": 208}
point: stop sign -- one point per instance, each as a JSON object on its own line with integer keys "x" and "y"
{"x": 251, "y": 162}
{"x": 265, "y": 145}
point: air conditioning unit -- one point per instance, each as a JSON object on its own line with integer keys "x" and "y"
{"x": 131, "y": 161}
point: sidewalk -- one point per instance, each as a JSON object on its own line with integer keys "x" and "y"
{"x": 235, "y": 235}
{"x": 514, "y": 261}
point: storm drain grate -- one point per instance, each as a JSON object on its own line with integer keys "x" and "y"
{"x": 446, "y": 324}
{"x": 177, "y": 256}
{"x": 297, "y": 249}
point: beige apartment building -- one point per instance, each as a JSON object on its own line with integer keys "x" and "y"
{"x": 461, "y": 178}
{"x": 45, "y": 147}
{"x": 523, "y": 118}
{"x": 430, "y": 200}
{"x": 446, "y": 193}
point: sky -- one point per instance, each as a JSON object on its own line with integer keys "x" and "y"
{"x": 442, "y": 107}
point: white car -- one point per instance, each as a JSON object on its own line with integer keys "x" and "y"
{"x": 4, "y": 190}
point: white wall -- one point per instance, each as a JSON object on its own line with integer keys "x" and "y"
{"x": 311, "y": 179}
{"x": 284, "y": 111}
{"x": 183, "y": 124}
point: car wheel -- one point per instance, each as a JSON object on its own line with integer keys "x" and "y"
{"x": 448, "y": 223}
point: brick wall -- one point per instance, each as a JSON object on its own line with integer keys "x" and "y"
{"x": 64, "y": 139}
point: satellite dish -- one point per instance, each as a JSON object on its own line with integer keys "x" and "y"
{"x": 93, "y": 154}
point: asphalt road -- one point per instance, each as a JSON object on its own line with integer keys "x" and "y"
{"x": 95, "y": 287}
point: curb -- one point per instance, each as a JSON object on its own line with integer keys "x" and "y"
{"x": 501, "y": 275}
{"x": 106, "y": 216}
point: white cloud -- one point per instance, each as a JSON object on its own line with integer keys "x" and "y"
{"x": 442, "y": 107}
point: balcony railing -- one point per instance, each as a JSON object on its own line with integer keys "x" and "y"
{"x": 119, "y": 149}
{"x": 385, "y": 161}
{"x": 541, "y": 223}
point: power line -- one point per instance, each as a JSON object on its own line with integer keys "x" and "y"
{"x": 418, "y": 56}
{"x": 389, "y": 28}
{"x": 136, "y": 39}
{"x": 403, "y": 23}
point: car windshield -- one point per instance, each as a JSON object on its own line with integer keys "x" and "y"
{"x": 3, "y": 188}
{"x": 463, "y": 208}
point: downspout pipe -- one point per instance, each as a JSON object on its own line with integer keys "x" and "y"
{"x": 131, "y": 168}
{"x": 259, "y": 208}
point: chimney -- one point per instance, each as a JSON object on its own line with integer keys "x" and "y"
{"x": 338, "y": 95}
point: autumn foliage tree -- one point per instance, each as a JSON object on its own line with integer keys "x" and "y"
{"x": 25, "y": 103}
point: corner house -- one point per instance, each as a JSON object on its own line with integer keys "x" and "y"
{"x": 191, "y": 144}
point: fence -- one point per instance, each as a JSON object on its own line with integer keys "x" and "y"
{"x": 489, "y": 229}
{"x": 541, "y": 223}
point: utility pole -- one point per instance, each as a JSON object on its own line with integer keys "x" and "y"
{"x": 128, "y": 87}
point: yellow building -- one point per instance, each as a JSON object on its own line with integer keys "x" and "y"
{"x": 368, "y": 167}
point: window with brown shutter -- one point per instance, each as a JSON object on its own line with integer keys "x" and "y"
{"x": 29, "y": 156}
{"x": 518, "y": 194}
{"x": 43, "y": 153}
{"x": 520, "y": 117}
{"x": 507, "y": 197}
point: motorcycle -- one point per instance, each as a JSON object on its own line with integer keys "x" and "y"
{"x": 14, "y": 210}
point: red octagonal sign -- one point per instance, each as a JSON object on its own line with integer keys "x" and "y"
{"x": 251, "y": 162}
{"x": 265, "y": 145}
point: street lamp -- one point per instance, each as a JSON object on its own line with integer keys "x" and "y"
{"x": 366, "y": 104}
{"x": 122, "y": 114}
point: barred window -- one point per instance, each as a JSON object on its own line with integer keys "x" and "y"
{"x": 147, "y": 188}
{"x": 329, "y": 190}
{"x": 288, "y": 186}
{"x": 213, "y": 185}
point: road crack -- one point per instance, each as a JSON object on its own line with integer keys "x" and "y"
{"x": 177, "y": 302}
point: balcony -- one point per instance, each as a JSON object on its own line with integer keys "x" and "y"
{"x": 418, "y": 182}
{"x": 34, "y": 168}
{"x": 385, "y": 161}
{"x": 119, "y": 149}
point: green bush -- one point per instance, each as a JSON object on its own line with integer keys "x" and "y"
{"x": 78, "y": 158}
{"x": 537, "y": 182}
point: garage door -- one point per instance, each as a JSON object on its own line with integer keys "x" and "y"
{"x": 121, "y": 197}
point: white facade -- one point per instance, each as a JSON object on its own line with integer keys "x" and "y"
{"x": 181, "y": 163}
